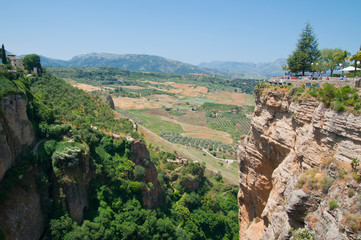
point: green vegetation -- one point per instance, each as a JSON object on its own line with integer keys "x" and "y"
{"x": 31, "y": 61}
{"x": 303, "y": 234}
{"x": 68, "y": 116}
{"x": 155, "y": 122}
{"x": 55, "y": 99}
{"x": 306, "y": 52}
{"x": 114, "y": 76}
{"x": 3, "y": 55}
{"x": 355, "y": 163}
{"x": 339, "y": 99}
{"x": 199, "y": 143}
{"x": 7, "y": 86}
{"x": 331, "y": 58}
{"x": 216, "y": 107}
{"x": 332, "y": 204}
{"x": 227, "y": 118}
{"x": 137, "y": 93}
{"x": 326, "y": 183}
{"x": 236, "y": 124}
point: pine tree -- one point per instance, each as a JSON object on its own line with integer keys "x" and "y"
{"x": 3, "y": 55}
{"x": 306, "y": 52}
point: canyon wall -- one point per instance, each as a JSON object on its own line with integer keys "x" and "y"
{"x": 287, "y": 138}
{"x": 151, "y": 196}
{"x": 16, "y": 131}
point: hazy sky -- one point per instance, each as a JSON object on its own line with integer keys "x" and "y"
{"x": 191, "y": 31}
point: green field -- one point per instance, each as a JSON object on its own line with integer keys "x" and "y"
{"x": 154, "y": 122}
{"x": 236, "y": 124}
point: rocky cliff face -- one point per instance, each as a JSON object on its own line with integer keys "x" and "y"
{"x": 22, "y": 215}
{"x": 287, "y": 140}
{"x": 15, "y": 130}
{"x": 71, "y": 186}
{"x": 151, "y": 197}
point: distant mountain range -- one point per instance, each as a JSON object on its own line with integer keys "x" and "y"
{"x": 140, "y": 62}
{"x": 266, "y": 69}
{"x": 152, "y": 63}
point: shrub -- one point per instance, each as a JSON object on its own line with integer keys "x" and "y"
{"x": 356, "y": 176}
{"x": 301, "y": 181}
{"x": 342, "y": 172}
{"x": 326, "y": 184}
{"x": 355, "y": 163}
{"x": 297, "y": 91}
{"x": 139, "y": 172}
{"x": 339, "y": 107}
{"x": 303, "y": 234}
{"x": 353, "y": 221}
{"x": 332, "y": 204}
{"x": 350, "y": 192}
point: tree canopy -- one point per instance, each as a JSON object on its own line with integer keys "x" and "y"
{"x": 355, "y": 58}
{"x": 306, "y": 52}
{"x": 31, "y": 61}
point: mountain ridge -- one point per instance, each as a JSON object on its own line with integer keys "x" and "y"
{"x": 264, "y": 68}
{"x": 140, "y": 62}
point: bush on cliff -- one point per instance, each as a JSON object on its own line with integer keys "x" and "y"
{"x": 338, "y": 99}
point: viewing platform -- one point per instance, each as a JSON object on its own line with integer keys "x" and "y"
{"x": 317, "y": 82}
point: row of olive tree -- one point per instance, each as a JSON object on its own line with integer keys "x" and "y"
{"x": 307, "y": 57}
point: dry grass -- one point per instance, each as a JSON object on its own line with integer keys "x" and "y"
{"x": 312, "y": 220}
{"x": 86, "y": 87}
{"x": 133, "y": 87}
{"x": 188, "y": 90}
{"x": 151, "y": 102}
{"x": 194, "y": 118}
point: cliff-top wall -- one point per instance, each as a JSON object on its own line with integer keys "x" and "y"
{"x": 288, "y": 139}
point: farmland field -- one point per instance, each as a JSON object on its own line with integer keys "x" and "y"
{"x": 182, "y": 113}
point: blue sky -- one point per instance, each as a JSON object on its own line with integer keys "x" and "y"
{"x": 191, "y": 31}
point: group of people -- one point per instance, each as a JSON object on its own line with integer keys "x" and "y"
{"x": 308, "y": 77}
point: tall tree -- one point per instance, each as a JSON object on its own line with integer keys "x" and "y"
{"x": 3, "y": 55}
{"x": 355, "y": 58}
{"x": 332, "y": 57}
{"x": 32, "y": 61}
{"x": 306, "y": 52}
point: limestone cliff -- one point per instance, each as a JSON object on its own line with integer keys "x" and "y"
{"x": 16, "y": 130}
{"x": 287, "y": 138}
{"x": 153, "y": 196}
{"x": 21, "y": 213}
{"x": 22, "y": 216}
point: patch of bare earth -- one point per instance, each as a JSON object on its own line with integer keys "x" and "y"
{"x": 195, "y": 118}
{"x": 188, "y": 90}
{"x": 86, "y": 87}
{"x": 154, "y": 101}
{"x": 159, "y": 112}
{"x": 224, "y": 97}
{"x": 133, "y": 87}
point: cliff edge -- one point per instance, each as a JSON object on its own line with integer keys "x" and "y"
{"x": 291, "y": 166}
